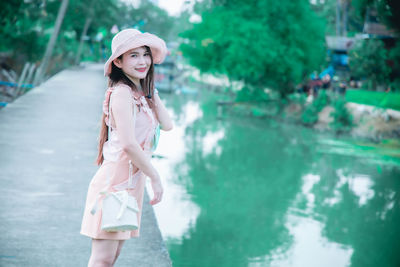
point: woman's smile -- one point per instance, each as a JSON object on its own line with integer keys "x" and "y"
{"x": 141, "y": 69}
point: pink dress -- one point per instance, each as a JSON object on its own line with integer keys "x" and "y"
{"x": 115, "y": 168}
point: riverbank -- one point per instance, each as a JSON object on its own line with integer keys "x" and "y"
{"x": 368, "y": 122}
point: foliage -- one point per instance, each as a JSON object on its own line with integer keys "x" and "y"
{"x": 342, "y": 119}
{"x": 21, "y": 26}
{"x": 328, "y": 8}
{"x": 265, "y": 44}
{"x": 394, "y": 56}
{"x": 388, "y": 11}
{"x": 298, "y": 98}
{"x": 321, "y": 101}
{"x": 26, "y": 27}
{"x": 150, "y": 18}
{"x": 310, "y": 114}
{"x": 367, "y": 59}
{"x": 251, "y": 94}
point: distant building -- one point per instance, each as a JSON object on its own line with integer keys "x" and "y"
{"x": 338, "y": 46}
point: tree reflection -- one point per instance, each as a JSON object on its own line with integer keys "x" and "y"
{"x": 249, "y": 182}
{"x": 243, "y": 192}
{"x": 371, "y": 226}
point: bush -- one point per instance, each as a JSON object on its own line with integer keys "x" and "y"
{"x": 310, "y": 114}
{"x": 251, "y": 94}
{"x": 342, "y": 119}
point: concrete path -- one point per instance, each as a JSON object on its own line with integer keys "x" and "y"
{"x": 48, "y": 140}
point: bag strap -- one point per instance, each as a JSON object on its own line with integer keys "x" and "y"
{"x": 109, "y": 117}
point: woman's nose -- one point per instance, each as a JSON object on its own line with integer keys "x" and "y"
{"x": 142, "y": 59}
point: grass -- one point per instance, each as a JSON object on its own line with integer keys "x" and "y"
{"x": 379, "y": 99}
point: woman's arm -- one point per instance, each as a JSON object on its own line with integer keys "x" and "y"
{"x": 162, "y": 114}
{"x": 122, "y": 110}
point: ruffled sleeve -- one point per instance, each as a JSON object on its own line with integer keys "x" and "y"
{"x": 106, "y": 103}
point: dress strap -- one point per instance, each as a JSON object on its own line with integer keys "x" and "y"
{"x": 109, "y": 116}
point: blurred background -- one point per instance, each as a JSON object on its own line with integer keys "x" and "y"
{"x": 286, "y": 147}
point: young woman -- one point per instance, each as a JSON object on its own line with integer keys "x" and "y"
{"x": 132, "y": 111}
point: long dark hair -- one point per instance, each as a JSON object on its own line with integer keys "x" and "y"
{"x": 116, "y": 76}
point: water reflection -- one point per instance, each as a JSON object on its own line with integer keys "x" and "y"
{"x": 259, "y": 193}
{"x": 176, "y": 213}
{"x": 309, "y": 247}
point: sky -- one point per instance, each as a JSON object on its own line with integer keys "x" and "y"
{"x": 173, "y": 7}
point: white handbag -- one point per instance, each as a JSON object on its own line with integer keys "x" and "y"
{"x": 119, "y": 212}
{"x": 119, "y": 209}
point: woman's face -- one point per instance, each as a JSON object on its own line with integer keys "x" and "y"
{"x": 135, "y": 63}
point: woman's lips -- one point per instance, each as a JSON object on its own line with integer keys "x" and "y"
{"x": 141, "y": 69}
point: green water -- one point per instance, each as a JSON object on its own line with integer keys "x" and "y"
{"x": 251, "y": 192}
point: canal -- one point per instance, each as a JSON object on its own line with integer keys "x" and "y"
{"x": 249, "y": 192}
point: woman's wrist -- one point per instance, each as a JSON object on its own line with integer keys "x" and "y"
{"x": 155, "y": 176}
{"x": 156, "y": 100}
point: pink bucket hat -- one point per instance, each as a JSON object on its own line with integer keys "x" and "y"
{"x": 129, "y": 39}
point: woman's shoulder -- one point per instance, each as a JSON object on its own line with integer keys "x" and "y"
{"x": 121, "y": 87}
{"x": 126, "y": 88}
{"x": 125, "y": 92}
{"x": 122, "y": 90}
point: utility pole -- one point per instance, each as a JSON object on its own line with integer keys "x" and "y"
{"x": 338, "y": 32}
{"x": 88, "y": 21}
{"x": 345, "y": 7}
{"x": 84, "y": 32}
{"x": 50, "y": 45}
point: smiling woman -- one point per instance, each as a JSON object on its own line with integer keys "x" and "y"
{"x": 135, "y": 63}
{"x": 132, "y": 113}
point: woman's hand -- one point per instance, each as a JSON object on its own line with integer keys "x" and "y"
{"x": 157, "y": 191}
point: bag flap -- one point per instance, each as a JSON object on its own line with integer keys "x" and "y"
{"x": 121, "y": 195}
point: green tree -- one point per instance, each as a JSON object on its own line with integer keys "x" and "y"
{"x": 394, "y": 56}
{"x": 367, "y": 59}
{"x": 388, "y": 11}
{"x": 26, "y": 27}
{"x": 262, "y": 43}
{"x": 23, "y": 27}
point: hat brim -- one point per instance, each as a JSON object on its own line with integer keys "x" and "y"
{"x": 157, "y": 46}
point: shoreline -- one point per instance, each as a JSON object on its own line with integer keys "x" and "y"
{"x": 370, "y": 122}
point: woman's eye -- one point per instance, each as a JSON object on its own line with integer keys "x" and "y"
{"x": 147, "y": 54}
{"x": 133, "y": 55}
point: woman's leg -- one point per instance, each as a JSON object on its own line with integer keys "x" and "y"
{"x": 120, "y": 243}
{"x": 103, "y": 252}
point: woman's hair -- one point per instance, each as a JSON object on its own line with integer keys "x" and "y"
{"x": 118, "y": 76}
